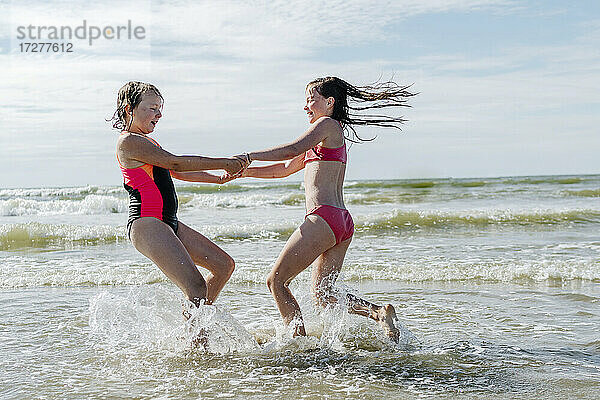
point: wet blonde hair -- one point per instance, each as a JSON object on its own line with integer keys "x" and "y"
{"x": 130, "y": 94}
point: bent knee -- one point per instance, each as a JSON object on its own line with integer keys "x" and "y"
{"x": 274, "y": 282}
{"x": 224, "y": 268}
{"x": 229, "y": 267}
{"x": 270, "y": 282}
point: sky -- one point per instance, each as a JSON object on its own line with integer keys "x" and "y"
{"x": 504, "y": 88}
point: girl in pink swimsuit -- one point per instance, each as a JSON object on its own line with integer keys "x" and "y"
{"x": 324, "y": 236}
{"x": 153, "y": 226}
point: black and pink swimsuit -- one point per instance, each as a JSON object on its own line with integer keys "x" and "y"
{"x": 151, "y": 193}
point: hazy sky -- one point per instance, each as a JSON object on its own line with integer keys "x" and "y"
{"x": 506, "y": 87}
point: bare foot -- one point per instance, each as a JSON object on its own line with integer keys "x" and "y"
{"x": 386, "y": 316}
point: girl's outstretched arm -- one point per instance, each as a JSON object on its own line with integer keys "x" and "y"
{"x": 279, "y": 170}
{"x": 135, "y": 147}
{"x": 313, "y": 136}
{"x": 201, "y": 176}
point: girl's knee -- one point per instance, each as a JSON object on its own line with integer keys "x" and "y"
{"x": 228, "y": 267}
{"x": 274, "y": 282}
{"x": 270, "y": 282}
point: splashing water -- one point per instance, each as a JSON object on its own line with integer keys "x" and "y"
{"x": 144, "y": 320}
{"x": 216, "y": 330}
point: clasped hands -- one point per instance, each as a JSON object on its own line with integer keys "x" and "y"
{"x": 243, "y": 161}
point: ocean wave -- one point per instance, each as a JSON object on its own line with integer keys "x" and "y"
{"x": 540, "y": 180}
{"x": 389, "y": 184}
{"x": 89, "y": 205}
{"x": 207, "y": 188}
{"x": 67, "y": 192}
{"x": 278, "y": 231}
{"x": 98, "y": 205}
{"x": 381, "y": 198}
{"x": 20, "y": 271}
{"x": 233, "y": 187}
{"x": 294, "y": 199}
{"x": 427, "y": 219}
{"x": 244, "y": 200}
{"x": 583, "y": 193}
{"x": 492, "y": 271}
{"x": 37, "y": 235}
{"x": 469, "y": 183}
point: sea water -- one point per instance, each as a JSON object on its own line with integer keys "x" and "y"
{"x": 496, "y": 282}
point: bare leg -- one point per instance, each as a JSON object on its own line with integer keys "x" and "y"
{"x": 157, "y": 241}
{"x": 210, "y": 256}
{"x": 325, "y": 273}
{"x": 307, "y": 242}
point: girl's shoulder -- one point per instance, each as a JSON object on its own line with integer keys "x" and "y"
{"x": 134, "y": 139}
{"x": 328, "y": 122}
{"x": 125, "y": 137}
{"x": 333, "y": 132}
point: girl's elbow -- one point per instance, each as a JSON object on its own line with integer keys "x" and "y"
{"x": 174, "y": 164}
{"x": 295, "y": 151}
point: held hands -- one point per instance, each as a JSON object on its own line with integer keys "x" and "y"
{"x": 240, "y": 163}
{"x": 225, "y": 178}
{"x": 245, "y": 161}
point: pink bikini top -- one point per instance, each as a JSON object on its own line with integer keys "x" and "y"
{"x": 319, "y": 153}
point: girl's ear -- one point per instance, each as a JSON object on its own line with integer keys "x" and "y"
{"x": 330, "y": 101}
{"x": 127, "y": 109}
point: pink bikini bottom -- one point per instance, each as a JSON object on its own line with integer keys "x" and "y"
{"x": 338, "y": 219}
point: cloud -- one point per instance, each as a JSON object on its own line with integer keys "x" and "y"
{"x": 233, "y": 75}
{"x": 271, "y": 30}
{"x": 245, "y": 30}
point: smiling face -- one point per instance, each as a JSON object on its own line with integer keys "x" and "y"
{"x": 317, "y": 106}
{"x": 146, "y": 114}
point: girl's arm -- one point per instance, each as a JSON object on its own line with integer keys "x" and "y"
{"x": 279, "y": 170}
{"x": 200, "y": 176}
{"x": 313, "y": 136}
{"x": 134, "y": 147}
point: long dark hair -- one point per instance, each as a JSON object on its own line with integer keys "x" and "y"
{"x": 130, "y": 94}
{"x": 377, "y": 95}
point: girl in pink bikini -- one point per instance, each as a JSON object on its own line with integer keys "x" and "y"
{"x": 153, "y": 227}
{"x": 324, "y": 236}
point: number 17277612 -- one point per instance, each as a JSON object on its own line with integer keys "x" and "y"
{"x": 41, "y": 47}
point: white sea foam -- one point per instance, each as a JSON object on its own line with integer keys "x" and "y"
{"x": 139, "y": 319}
{"x": 254, "y": 231}
{"x": 60, "y": 192}
{"x": 237, "y": 200}
{"x": 22, "y": 271}
{"x": 91, "y": 204}
{"x": 220, "y": 332}
{"x": 494, "y": 271}
{"x": 151, "y": 318}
